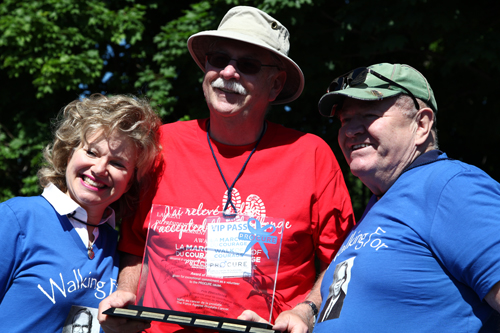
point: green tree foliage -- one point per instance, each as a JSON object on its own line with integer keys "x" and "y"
{"x": 52, "y": 51}
{"x": 58, "y": 42}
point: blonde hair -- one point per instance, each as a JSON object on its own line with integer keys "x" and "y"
{"x": 83, "y": 118}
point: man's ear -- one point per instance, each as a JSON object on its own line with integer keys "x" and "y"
{"x": 278, "y": 84}
{"x": 425, "y": 120}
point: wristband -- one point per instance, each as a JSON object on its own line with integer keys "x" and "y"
{"x": 314, "y": 308}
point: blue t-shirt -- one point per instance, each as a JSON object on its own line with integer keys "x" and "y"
{"x": 45, "y": 268}
{"x": 422, "y": 258}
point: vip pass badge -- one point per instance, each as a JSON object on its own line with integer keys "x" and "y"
{"x": 232, "y": 245}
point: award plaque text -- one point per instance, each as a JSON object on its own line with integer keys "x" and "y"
{"x": 203, "y": 269}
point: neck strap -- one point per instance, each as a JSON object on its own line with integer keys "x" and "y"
{"x": 230, "y": 188}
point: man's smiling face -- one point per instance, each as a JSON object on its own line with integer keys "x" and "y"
{"x": 228, "y": 91}
{"x": 378, "y": 141}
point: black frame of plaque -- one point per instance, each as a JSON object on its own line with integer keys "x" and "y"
{"x": 220, "y": 324}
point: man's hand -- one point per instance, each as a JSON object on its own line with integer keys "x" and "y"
{"x": 111, "y": 324}
{"x": 296, "y": 320}
{"x": 300, "y": 319}
{"x": 249, "y": 315}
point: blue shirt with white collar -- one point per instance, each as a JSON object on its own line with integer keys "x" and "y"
{"x": 45, "y": 269}
{"x": 64, "y": 205}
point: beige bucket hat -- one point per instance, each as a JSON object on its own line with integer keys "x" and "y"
{"x": 253, "y": 26}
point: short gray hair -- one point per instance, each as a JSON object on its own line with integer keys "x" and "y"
{"x": 406, "y": 103}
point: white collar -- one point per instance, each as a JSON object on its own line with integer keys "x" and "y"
{"x": 64, "y": 205}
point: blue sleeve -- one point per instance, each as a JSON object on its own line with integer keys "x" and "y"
{"x": 466, "y": 230}
{"x": 12, "y": 242}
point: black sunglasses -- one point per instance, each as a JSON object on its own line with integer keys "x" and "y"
{"x": 358, "y": 76}
{"x": 244, "y": 65}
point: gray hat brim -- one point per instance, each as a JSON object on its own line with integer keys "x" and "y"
{"x": 199, "y": 43}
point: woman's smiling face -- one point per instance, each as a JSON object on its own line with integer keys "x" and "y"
{"x": 100, "y": 172}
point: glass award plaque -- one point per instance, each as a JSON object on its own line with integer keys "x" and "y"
{"x": 202, "y": 269}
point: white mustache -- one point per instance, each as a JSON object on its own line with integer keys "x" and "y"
{"x": 229, "y": 85}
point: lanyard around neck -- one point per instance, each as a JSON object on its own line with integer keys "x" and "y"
{"x": 230, "y": 188}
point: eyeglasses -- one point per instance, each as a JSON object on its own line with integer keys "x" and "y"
{"x": 244, "y": 65}
{"x": 358, "y": 76}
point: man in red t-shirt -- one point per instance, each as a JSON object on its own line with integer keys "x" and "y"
{"x": 238, "y": 162}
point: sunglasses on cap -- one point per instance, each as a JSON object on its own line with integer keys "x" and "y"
{"x": 244, "y": 65}
{"x": 358, "y": 76}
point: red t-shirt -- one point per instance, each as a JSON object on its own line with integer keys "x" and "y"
{"x": 291, "y": 175}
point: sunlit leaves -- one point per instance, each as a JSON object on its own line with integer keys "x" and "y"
{"x": 56, "y": 40}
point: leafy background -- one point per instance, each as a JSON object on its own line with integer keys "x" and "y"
{"x": 53, "y": 51}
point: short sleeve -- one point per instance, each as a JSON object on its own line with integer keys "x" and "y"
{"x": 466, "y": 230}
{"x": 335, "y": 217}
